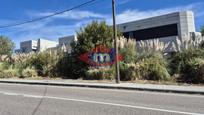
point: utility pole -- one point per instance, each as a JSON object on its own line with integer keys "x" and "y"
{"x": 117, "y": 77}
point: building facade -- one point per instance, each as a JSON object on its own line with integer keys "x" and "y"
{"x": 65, "y": 42}
{"x": 167, "y": 28}
{"x": 44, "y": 44}
{"x": 175, "y": 24}
{"x": 36, "y": 45}
{"x": 28, "y": 46}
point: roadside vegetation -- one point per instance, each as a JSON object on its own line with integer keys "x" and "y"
{"x": 143, "y": 60}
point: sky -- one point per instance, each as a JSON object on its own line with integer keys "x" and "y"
{"x": 14, "y": 11}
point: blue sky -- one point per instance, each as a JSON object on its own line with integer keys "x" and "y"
{"x": 12, "y": 11}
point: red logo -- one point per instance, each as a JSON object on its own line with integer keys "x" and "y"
{"x": 100, "y": 56}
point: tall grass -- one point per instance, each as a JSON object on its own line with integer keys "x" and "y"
{"x": 153, "y": 45}
{"x": 187, "y": 62}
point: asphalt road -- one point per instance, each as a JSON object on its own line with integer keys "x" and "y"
{"x": 16, "y": 99}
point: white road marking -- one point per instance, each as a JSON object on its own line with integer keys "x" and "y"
{"x": 115, "y": 90}
{"x": 103, "y": 103}
{"x": 8, "y": 93}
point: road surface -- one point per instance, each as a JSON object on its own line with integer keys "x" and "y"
{"x": 18, "y": 99}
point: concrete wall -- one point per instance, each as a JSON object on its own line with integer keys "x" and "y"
{"x": 149, "y": 22}
{"x": 66, "y": 41}
{"x": 44, "y": 44}
{"x": 28, "y": 46}
{"x": 184, "y": 21}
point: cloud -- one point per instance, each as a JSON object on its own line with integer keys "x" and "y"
{"x": 74, "y": 15}
{"x": 121, "y": 2}
{"x": 136, "y": 14}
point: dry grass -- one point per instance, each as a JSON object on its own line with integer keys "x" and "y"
{"x": 187, "y": 42}
{"x": 126, "y": 43}
{"x": 153, "y": 45}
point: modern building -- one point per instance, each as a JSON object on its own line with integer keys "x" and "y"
{"x": 44, "y": 44}
{"x": 166, "y": 28}
{"x": 27, "y": 46}
{"x": 36, "y": 45}
{"x": 175, "y": 24}
{"x": 66, "y": 42}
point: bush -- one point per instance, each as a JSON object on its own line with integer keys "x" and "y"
{"x": 7, "y": 70}
{"x": 127, "y": 48}
{"x": 1, "y": 74}
{"x": 193, "y": 71}
{"x": 44, "y": 62}
{"x": 9, "y": 73}
{"x": 153, "y": 66}
{"x": 179, "y": 60}
{"x": 4, "y": 66}
{"x": 129, "y": 71}
{"x": 149, "y": 66}
{"x": 29, "y": 72}
{"x": 100, "y": 74}
{"x": 20, "y": 66}
{"x": 67, "y": 67}
{"x": 151, "y": 71}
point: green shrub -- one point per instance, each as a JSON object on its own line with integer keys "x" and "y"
{"x": 193, "y": 71}
{"x": 20, "y": 66}
{"x": 179, "y": 60}
{"x": 1, "y": 74}
{"x": 39, "y": 61}
{"x": 153, "y": 71}
{"x": 68, "y": 67}
{"x": 29, "y": 72}
{"x": 149, "y": 66}
{"x": 7, "y": 70}
{"x": 9, "y": 73}
{"x": 4, "y": 66}
{"x": 129, "y": 71}
{"x": 127, "y": 48}
{"x": 100, "y": 74}
{"x": 44, "y": 62}
{"x": 153, "y": 66}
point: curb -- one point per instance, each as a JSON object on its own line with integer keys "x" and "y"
{"x": 105, "y": 87}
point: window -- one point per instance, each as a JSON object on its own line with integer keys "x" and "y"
{"x": 151, "y": 33}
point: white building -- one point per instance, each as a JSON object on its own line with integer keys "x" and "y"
{"x": 166, "y": 28}
{"x": 36, "y": 46}
{"x": 66, "y": 42}
{"x": 44, "y": 44}
{"x": 174, "y": 24}
{"x": 27, "y": 46}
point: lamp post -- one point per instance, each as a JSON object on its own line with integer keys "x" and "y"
{"x": 117, "y": 77}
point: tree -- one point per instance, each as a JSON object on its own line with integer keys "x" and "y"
{"x": 6, "y": 46}
{"x": 94, "y": 34}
